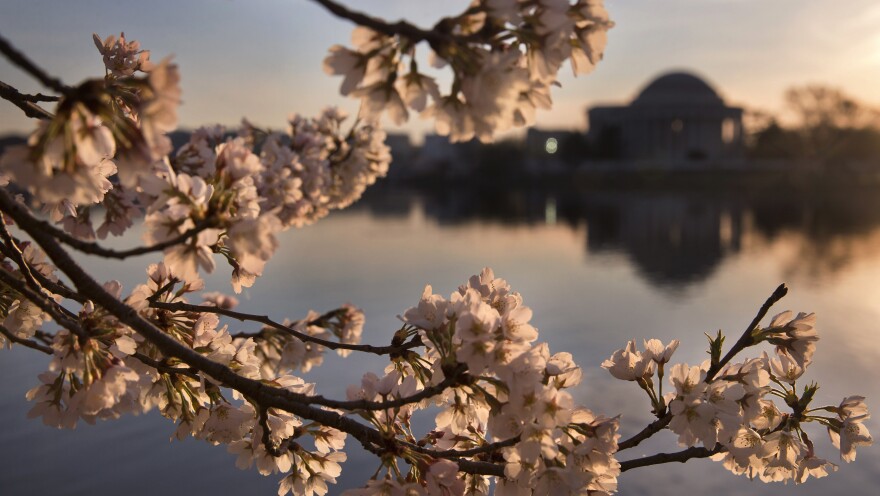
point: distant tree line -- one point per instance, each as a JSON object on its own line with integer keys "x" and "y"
{"x": 827, "y": 125}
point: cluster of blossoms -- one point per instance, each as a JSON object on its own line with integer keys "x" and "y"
{"x": 504, "y": 56}
{"x": 122, "y": 58}
{"x": 499, "y": 386}
{"x": 241, "y": 191}
{"x": 730, "y": 411}
{"x": 106, "y": 370}
{"x": 500, "y": 400}
{"x": 500, "y": 395}
{"x": 106, "y": 151}
{"x": 103, "y": 131}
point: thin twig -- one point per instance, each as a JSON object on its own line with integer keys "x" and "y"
{"x": 264, "y": 319}
{"x": 61, "y": 315}
{"x": 453, "y": 453}
{"x": 13, "y": 251}
{"x": 399, "y": 28}
{"x": 44, "y": 337}
{"x": 54, "y": 286}
{"x": 166, "y": 369}
{"x": 263, "y": 394}
{"x": 651, "y": 429}
{"x": 92, "y": 248}
{"x": 24, "y": 342}
{"x": 59, "y": 288}
{"x": 13, "y": 282}
{"x": 458, "y": 376}
{"x": 25, "y": 102}
{"x": 746, "y": 339}
{"x": 39, "y": 97}
{"x": 22, "y": 62}
{"x": 680, "y": 456}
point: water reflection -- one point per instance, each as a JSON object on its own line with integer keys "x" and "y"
{"x": 597, "y": 266}
{"x": 673, "y": 237}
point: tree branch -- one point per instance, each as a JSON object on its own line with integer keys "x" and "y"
{"x": 61, "y": 315}
{"x": 39, "y": 97}
{"x": 651, "y": 429}
{"x": 24, "y": 342}
{"x": 457, "y": 377}
{"x": 88, "y": 286}
{"x": 479, "y": 450}
{"x": 11, "y": 249}
{"x": 25, "y": 102}
{"x": 265, "y": 395}
{"x": 399, "y": 28}
{"x": 680, "y": 456}
{"x": 264, "y": 319}
{"x": 267, "y": 442}
{"x": 481, "y": 468}
{"x": 53, "y": 286}
{"x": 166, "y": 369}
{"x": 92, "y": 248}
{"x": 746, "y": 339}
{"x": 43, "y": 337}
{"x": 22, "y": 62}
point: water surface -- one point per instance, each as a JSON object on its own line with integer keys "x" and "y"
{"x": 597, "y": 267}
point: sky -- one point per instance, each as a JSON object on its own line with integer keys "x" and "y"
{"x": 261, "y": 59}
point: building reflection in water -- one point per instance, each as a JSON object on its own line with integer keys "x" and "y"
{"x": 671, "y": 239}
{"x": 674, "y": 238}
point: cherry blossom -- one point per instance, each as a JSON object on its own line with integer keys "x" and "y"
{"x": 629, "y": 364}
{"x": 122, "y": 58}
{"x": 505, "y": 414}
{"x": 504, "y": 56}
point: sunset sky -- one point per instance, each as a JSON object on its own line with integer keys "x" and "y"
{"x": 261, "y": 59}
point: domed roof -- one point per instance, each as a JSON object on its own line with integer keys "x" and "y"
{"x": 678, "y": 88}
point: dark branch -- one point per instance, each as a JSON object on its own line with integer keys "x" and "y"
{"x": 267, "y": 441}
{"x": 25, "y": 102}
{"x": 59, "y": 288}
{"x": 680, "y": 456}
{"x": 399, "y": 28}
{"x": 482, "y": 468}
{"x": 166, "y": 369}
{"x": 22, "y": 62}
{"x": 98, "y": 250}
{"x": 651, "y": 429}
{"x": 44, "y": 337}
{"x": 479, "y": 450}
{"x": 11, "y": 249}
{"x": 264, "y": 319}
{"x": 24, "y": 342}
{"x": 39, "y": 97}
{"x": 262, "y": 394}
{"x": 746, "y": 339}
{"x": 455, "y": 378}
{"x": 58, "y": 313}
{"x": 53, "y": 286}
